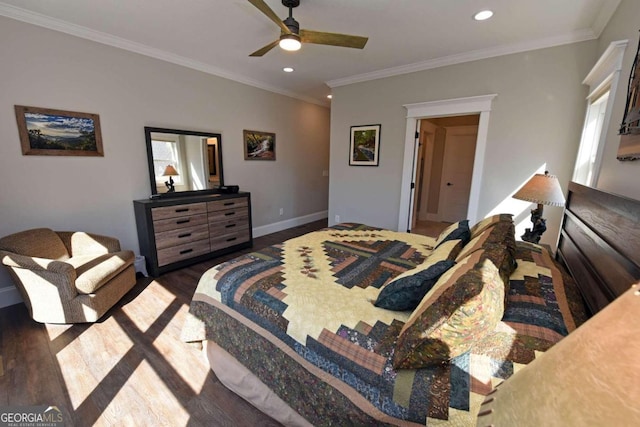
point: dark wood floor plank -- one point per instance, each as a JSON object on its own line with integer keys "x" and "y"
{"x": 129, "y": 368}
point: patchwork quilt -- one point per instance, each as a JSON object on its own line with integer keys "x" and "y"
{"x": 300, "y": 316}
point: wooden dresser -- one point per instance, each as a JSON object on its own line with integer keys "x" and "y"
{"x": 176, "y": 232}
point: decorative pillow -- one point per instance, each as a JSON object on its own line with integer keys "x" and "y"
{"x": 462, "y": 308}
{"x": 457, "y": 230}
{"x": 406, "y": 293}
{"x": 406, "y": 290}
{"x": 499, "y": 243}
{"x": 489, "y": 222}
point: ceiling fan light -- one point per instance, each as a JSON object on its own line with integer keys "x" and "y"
{"x": 290, "y": 42}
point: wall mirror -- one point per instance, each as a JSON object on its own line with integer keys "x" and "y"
{"x": 183, "y": 161}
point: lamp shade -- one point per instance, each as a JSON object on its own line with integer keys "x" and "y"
{"x": 542, "y": 189}
{"x": 589, "y": 378}
{"x": 170, "y": 171}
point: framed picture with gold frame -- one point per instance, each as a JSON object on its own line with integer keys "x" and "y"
{"x": 48, "y": 132}
{"x": 259, "y": 145}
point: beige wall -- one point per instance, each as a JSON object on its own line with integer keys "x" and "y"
{"x": 616, "y": 176}
{"x": 536, "y": 119}
{"x": 43, "y": 68}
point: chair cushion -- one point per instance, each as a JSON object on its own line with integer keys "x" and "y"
{"x": 92, "y": 272}
{"x": 37, "y": 242}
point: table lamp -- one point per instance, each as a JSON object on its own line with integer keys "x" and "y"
{"x": 543, "y": 190}
{"x": 170, "y": 171}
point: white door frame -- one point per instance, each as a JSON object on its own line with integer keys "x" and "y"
{"x": 447, "y": 107}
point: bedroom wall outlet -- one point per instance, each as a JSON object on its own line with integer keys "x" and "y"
{"x": 337, "y": 218}
{"x": 281, "y": 211}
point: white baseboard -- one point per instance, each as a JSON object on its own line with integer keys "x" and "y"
{"x": 9, "y": 296}
{"x": 289, "y": 223}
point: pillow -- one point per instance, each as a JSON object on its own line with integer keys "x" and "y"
{"x": 499, "y": 243}
{"x": 406, "y": 293}
{"x": 482, "y": 225}
{"x": 462, "y": 308}
{"x": 406, "y": 290}
{"x": 457, "y": 230}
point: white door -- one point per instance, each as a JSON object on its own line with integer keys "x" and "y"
{"x": 457, "y": 170}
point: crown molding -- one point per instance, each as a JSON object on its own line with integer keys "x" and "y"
{"x": 574, "y": 37}
{"x": 59, "y": 25}
{"x": 605, "y": 15}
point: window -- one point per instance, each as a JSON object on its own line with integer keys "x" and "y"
{"x": 165, "y": 153}
{"x": 602, "y": 78}
{"x": 584, "y": 172}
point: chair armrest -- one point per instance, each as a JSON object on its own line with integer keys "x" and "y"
{"x": 80, "y": 243}
{"x": 37, "y": 264}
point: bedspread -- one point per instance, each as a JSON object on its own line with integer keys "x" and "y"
{"x": 300, "y": 316}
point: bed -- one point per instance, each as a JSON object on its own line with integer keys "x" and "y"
{"x": 299, "y": 329}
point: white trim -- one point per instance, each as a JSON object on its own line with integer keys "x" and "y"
{"x": 288, "y": 223}
{"x": 606, "y": 71}
{"x": 574, "y": 37}
{"x": 447, "y": 107}
{"x": 9, "y": 296}
{"x": 608, "y": 63}
{"x": 55, "y": 24}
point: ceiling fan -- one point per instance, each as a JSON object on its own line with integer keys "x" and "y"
{"x": 292, "y": 36}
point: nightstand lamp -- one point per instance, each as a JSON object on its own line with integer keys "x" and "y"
{"x": 543, "y": 190}
{"x": 170, "y": 171}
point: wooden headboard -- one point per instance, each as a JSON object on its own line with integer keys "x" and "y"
{"x": 600, "y": 243}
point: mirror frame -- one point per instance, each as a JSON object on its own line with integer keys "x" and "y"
{"x": 152, "y": 177}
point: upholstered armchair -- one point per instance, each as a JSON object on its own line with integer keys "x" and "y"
{"x": 67, "y": 277}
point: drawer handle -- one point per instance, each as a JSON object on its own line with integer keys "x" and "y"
{"x": 231, "y": 239}
{"x": 182, "y": 210}
{"x": 229, "y": 213}
{"x": 183, "y": 221}
{"x": 180, "y": 236}
{"x": 230, "y": 203}
{"x": 186, "y": 251}
{"x": 230, "y": 225}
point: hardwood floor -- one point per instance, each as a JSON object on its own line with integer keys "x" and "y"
{"x": 130, "y": 368}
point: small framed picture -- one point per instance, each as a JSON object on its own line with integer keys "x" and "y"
{"x": 259, "y": 145}
{"x": 364, "y": 149}
{"x": 47, "y": 132}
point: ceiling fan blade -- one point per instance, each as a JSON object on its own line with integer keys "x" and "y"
{"x": 264, "y": 8}
{"x": 265, "y": 49}
{"x": 333, "y": 39}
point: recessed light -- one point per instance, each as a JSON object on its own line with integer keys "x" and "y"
{"x": 329, "y": 96}
{"x": 288, "y": 70}
{"x": 483, "y": 15}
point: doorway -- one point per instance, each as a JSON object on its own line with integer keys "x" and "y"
{"x": 444, "y": 168}
{"x": 476, "y": 105}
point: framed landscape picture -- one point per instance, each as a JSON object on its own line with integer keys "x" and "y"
{"x": 259, "y": 145}
{"x": 364, "y": 149}
{"x": 48, "y": 132}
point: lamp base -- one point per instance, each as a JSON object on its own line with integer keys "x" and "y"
{"x": 170, "y": 185}
{"x": 533, "y": 235}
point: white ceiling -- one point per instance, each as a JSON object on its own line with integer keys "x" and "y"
{"x": 217, "y": 36}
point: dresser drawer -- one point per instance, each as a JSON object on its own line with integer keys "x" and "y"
{"x": 167, "y": 239}
{"x": 228, "y": 214}
{"x": 219, "y": 205}
{"x": 178, "y": 223}
{"x": 181, "y": 252}
{"x": 178, "y": 211}
{"x": 231, "y": 239}
{"x": 228, "y": 224}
